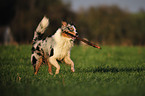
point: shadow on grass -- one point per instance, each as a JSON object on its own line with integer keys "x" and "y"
{"x": 113, "y": 69}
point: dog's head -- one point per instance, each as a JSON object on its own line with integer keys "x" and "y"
{"x": 70, "y": 29}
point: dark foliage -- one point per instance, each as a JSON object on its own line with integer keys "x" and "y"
{"x": 104, "y": 24}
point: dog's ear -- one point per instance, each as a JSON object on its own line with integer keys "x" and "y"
{"x": 64, "y": 23}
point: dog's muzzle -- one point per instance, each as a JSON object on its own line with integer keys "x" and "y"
{"x": 71, "y": 35}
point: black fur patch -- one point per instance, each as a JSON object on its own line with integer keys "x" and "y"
{"x": 33, "y": 49}
{"x": 51, "y": 52}
{"x": 37, "y": 48}
{"x": 39, "y": 44}
{"x": 34, "y": 60}
{"x": 34, "y": 68}
{"x": 43, "y": 39}
{"x": 39, "y": 35}
{"x": 39, "y": 54}
{"x": 33, "y": 43}
{"x": 35, "y": 38}
{"x": 42, "y": 50}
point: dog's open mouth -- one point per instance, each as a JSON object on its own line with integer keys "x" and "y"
{"x": 73, "y": 38}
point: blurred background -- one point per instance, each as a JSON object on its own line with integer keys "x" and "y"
{"x": 107, "y": 22}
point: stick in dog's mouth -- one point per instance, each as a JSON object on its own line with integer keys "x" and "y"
{"x": 83, "y": 40}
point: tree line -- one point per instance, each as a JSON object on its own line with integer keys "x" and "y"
{"x": 103, "y": 24}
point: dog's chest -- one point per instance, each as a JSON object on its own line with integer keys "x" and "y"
{"x": 62, "y": 49}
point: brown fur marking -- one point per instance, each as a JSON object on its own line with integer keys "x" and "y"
{"x": 38, "y": 66}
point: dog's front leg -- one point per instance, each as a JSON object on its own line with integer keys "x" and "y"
{"x": 49, "y": 69}
{"x": 53, "y": 61}
{"x": 68, "y": 61}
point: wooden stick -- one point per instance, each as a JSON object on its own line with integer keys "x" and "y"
{"x": 85, "y": 41}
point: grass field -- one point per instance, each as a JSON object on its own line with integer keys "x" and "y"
{"x": 112, "y": 71}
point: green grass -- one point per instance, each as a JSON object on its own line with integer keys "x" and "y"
{"x": 112, "y": 71}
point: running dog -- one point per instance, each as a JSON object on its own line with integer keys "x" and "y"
{"x": 54, "y": 48}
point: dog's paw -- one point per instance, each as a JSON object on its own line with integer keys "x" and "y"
{"x": 35, "y": 73}
{"x": 50, "y": 73}
{"x": 72, "y": 70}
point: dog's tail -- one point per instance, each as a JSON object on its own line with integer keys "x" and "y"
{"x": 41, "y": 29}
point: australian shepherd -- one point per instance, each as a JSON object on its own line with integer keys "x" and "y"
{"x": 54, "y": 48}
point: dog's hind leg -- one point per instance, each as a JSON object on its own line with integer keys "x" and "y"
{"x": 68, "y": 61}
{"x": 37, "y": 66}
{"x": 49, "y": 67}
{"x": 53, "y": 61}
